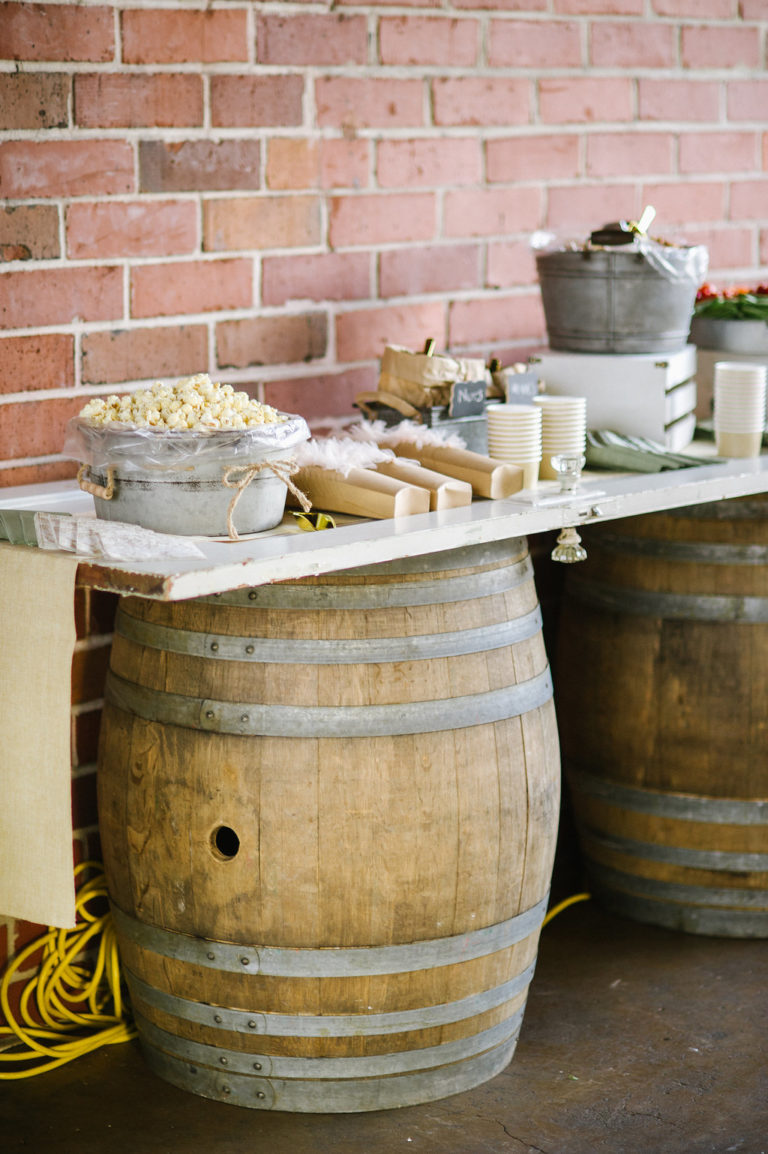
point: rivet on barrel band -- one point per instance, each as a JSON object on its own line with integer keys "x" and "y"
{"x": 331, "y": 1025}
{"x": 355, "y": 961}
{"x": 315, "y": 721}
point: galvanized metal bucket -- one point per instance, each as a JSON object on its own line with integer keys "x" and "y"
{"x": 221, "y": 483}
{"x": 611, "y": 301}
{"x": 192, "y": 502}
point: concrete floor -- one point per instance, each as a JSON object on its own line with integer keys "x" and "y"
{"x": 636, "y": 1040}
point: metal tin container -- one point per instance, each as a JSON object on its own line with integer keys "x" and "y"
{"x": 737, "y": 336}
{"x": 192, "y": 503}
{"x": 473, "y": 430}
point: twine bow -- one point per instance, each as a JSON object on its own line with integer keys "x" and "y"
{"x": 281, "y": 469}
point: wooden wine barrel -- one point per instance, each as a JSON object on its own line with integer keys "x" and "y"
{"x": 328, "y": 813}
{"x": 662, "y": 699}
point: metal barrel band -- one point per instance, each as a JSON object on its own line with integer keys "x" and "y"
{"x": 250, "y": 719}
{"x": 340, "y": 1096}
{"x": 691, "y": 919}
{"x": 739, "y": 509}
{"x": 694, "y": 552}
{"x": 327, "y": 1025}
{"x": 671, "y": 606}
{"x": 755, "y": 900}
{"x": 352, "y": 962}
{"x": 465, "y": 587}
{"x": 361, "y": 1066}
{"x": 503, "y": 552}
{"x": 682, "y": 807}
{"x": 719, "y": 860}
{"x": 352, "y": 651}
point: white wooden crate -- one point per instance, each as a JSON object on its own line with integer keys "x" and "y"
{"x": 641, "y": 394}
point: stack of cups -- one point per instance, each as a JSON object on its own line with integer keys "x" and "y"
{"x": 739, "y": 408}
{"x": 563, "y": 429}
{"x": 514, "y": 436}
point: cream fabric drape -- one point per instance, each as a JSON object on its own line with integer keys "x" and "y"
{"x": 37, "y": 639}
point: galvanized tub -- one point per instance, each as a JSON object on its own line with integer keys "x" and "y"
{"x": 599, "y": 300}
{"x": 225, "y": 482}
{"x": 749, "y": 337}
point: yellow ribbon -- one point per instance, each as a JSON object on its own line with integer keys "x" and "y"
{"x": 314, "y": 521}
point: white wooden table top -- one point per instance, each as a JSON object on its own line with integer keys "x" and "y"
{"x": 284, "y": 553}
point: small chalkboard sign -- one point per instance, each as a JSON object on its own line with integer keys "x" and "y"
{"x": 521, "y": 388}
{"x": 467, "y": 398}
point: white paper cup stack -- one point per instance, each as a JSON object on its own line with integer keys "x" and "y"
{"x": 563, "y": 429}
{"x": 739, "y": 391}
{"x": 514, "y": 436}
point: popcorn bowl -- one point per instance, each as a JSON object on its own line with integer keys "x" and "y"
{"x": 217, "y": 483}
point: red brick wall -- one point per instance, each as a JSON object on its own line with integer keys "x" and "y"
{"x": 271, "y": 195}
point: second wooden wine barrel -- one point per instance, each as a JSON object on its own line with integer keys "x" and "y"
{"x": 662, "y": 699}
{"x": 328, "y": 811}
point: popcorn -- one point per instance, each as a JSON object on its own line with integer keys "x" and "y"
{"x": 194, "y": 404}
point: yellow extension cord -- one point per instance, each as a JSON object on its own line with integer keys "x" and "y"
{"x": 60, "y": 1033}
{"x": 563, "y": 905}
{"x": 61, "y": 1030}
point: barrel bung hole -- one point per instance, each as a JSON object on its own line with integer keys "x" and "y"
{"x": 225, "y": 842}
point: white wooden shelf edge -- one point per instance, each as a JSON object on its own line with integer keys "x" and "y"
{"x": 277, "y": 556}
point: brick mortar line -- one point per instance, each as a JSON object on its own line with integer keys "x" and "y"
{"x": 296, "y": 7}
{"x": 332, "y": 309}
{"x": 300, "y": 306}
{"x": 255, "y": 376}
{"x": 26, "y": 462}
{"x": 208, "y": 70}
{"x": 430, "y": 132}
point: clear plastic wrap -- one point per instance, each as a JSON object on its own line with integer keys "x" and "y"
{"x": 686, "y": 264}
{"x": 130, "y": 448}
{"x": 681, "y": 264}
